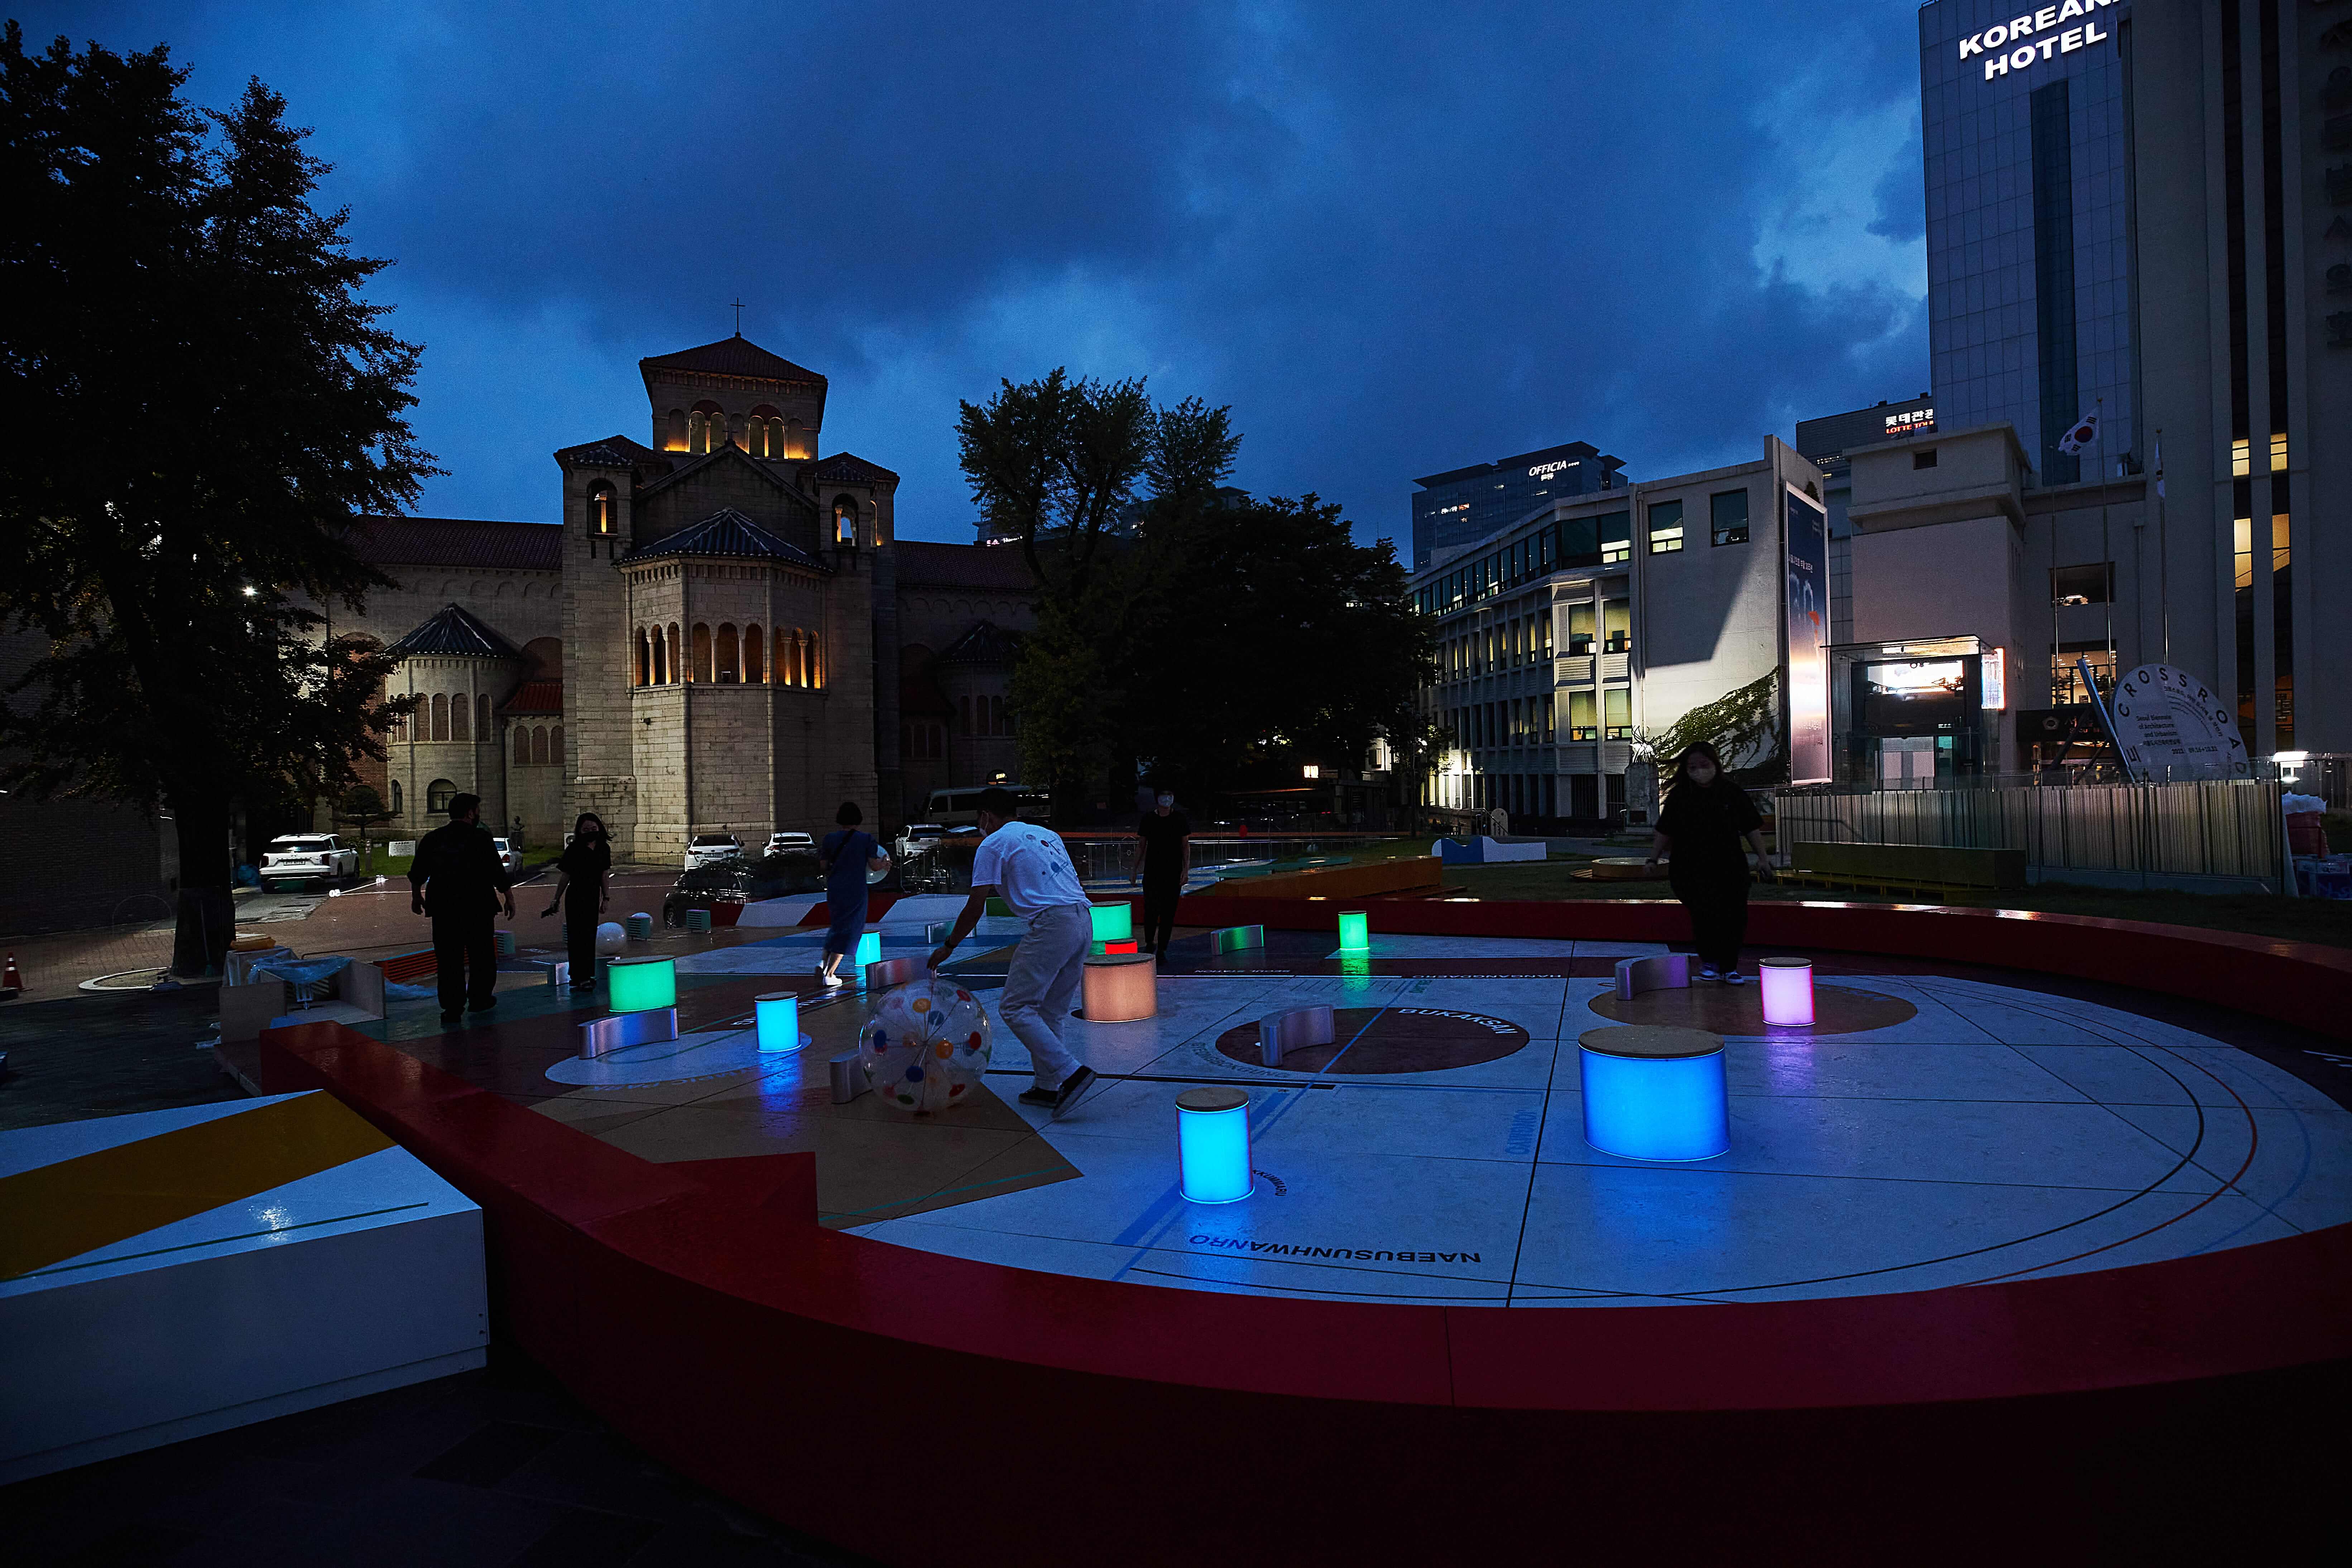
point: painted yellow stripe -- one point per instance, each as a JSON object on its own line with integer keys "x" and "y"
{"x": 54, "y": 1212}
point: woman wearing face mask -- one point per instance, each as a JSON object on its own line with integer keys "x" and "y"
{"x": 579, "y": 889}
{"x": 1701, "y": 826}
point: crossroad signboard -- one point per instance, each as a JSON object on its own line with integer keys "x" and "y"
{"x": 2172, "y": 725}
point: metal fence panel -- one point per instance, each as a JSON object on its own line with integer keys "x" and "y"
{"x": 2229, "y": 828}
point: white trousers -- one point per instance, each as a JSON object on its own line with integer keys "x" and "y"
{"x": 1043, "y": 983}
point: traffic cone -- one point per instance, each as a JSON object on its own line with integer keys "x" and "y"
{"x": 12, "y": 980}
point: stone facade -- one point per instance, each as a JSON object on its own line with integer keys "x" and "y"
{"x": 722, "y": 634}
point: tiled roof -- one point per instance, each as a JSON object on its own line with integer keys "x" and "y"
{"x": 735, "y": 355}
{"x": 454, "y": 631}
{"x": 459, "y": 541}
{"x": 727, "y": 532}
{"x": 998, "y": 566}
{"x": 612, "y": 452}
{"x": 730, "y": 452}
{"x": 986, "y": 644}
{"x": 536, "y": 696}
{"x": 846, "y": 469}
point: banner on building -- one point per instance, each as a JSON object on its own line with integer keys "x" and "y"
{"x": 1805, "y": 545}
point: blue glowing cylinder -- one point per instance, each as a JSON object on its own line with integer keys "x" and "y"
{"x": 1652, "y": 1093}
{"x": 1212, "y": 1144}
{"x": 778, "y": 1017}
{"x": 869, "y": 951}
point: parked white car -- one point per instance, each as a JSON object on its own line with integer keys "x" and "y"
{"x": 509, "y": 856}
{"x": 918, "y": 837}
{"x": 320, "y": 858}
{"x": 709, "y": 849}
{"x": 780, "y": 843}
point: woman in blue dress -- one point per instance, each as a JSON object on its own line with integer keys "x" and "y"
{"x": 845, "y": 856}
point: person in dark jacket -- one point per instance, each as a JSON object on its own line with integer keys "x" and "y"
{"x": 1167, "y": 838}
{"x": 845, "y": 856}
{"x": 458, "y": 880}
{"x": 579, "y": 889}
{"x": 1701, "y": 827}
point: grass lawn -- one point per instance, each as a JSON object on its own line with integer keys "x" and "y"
{"x": 2324, "y": 920}
{"x": 398, "y": 865}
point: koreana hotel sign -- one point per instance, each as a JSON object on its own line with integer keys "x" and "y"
{"x": 2021, "y": 42}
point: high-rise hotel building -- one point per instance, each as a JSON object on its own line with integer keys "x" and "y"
{"x": 2144, "y": 212}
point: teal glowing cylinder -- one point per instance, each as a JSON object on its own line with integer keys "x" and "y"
{"x": 639, "y": 985}
{"x": 698, "y": 921}
{"x": 1114, "y": 922}
{"x": 505, "y": 944}
{"x": 1213, "y": 1152}
{"x": 869, "y": 951}
{"x": 1653, "y": 1094}
{"x": 778, "y": 1017}
{"x": 641, "y": 926}
{"x": 1355, "y": 931}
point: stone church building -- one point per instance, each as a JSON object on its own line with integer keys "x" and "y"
{"x": 724, "y": 632}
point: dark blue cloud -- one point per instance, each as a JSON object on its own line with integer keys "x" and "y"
{"x": 1395, "y": 238}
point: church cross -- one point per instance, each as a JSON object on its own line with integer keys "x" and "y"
{"x": 738, "y": 316}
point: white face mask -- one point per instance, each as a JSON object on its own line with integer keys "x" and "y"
{"x": 1167, "y": 800}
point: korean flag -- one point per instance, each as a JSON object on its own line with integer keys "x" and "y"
{"x": 2084, "y": 432}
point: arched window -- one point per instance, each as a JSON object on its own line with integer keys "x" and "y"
{"x": 437, "y": 797}
{"x": 674, "y": 431}
{"x": 396, "y": 806}
{"x": 461, "y": 717}
{"x": 763, "y": 432}
{"x": 644, "y": 658}
{"x": 699, "y": 670}
{"x": 539, "y": 743}
{"x": 697, "y": 432}
{"x": 729, "y": 671}
{"x": 600, "y": 507}
{"x": 788, "y": 657}
{"x": 844, "y": 520}
{"x": 706, "y": 427}
{"x": 676, "y": 670}
{"x": 440, "y": 730}
{"x": 813, "y": 665}
{"x": 555, "y": 745}
{"x": 661, "y": 658}
{"x": 798, "y": 444}
{"x": 754, "y": 657}
{"x": 776, "y": 439}
{"x": 482, "y": 715}
{"x": 522, "y": 743}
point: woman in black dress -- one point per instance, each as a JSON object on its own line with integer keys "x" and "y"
{"x": 580, "y": 890}
{"x": 1701, "y": 825}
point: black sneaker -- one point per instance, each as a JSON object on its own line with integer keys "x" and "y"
{"x": 1072, "y": 1087}
{"x": 1048, "y": 1097}
{"x": 483, "y": 1007}
{"x": 451, "y": 1020}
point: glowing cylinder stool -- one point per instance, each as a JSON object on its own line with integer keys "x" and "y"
{"x": 505, "y": 944}
{"x": 1114, "y": 922}
{"x": 870, "y": 950}
{"x": 1653, "y": 1094}
{"x": 1788, "y": 986}
{"x": 1213, "y": 1155}
{"x": 639, "y": 985}
{"x": 1355, "y": 931}
{"x": 698, "y": 921}
{"x": 1120, "y": 987}
{"x": 641, "y": 926}
{"x": 777, "y": 1017}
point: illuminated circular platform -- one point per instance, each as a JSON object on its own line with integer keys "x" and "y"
{"x": 2130, "y": 1144}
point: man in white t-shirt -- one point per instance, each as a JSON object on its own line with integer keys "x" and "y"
{"x": 1027, "y": 867}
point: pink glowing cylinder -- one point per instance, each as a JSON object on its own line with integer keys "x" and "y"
{"x": 1787, "y": 991}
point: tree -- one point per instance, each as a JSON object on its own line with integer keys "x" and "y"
{"x": 217, "y": 403}
{"x": 363, "y": 808}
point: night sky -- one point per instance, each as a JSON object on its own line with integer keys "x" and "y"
{"x": 1397, "y": 239}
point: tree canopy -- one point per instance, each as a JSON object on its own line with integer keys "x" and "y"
{"x": 203, "y": 402}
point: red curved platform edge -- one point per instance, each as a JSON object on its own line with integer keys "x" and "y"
{"x": 925, "y": 1409}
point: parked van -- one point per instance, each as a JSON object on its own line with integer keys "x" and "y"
{"x": 960, "y": 808}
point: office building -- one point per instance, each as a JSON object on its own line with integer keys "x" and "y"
{"x": 1461, "y": 505}
{"x": 1653, "y": 613}
{"x": 1826, "y": 441}
{"x": 2145, "y": 211}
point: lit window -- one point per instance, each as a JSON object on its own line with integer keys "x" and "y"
{"x": 1728, "y": 517}
{"x": 2278, "y": 452}
{"x": 2241, "y": 458}
{"x": 1665, "y": 528}
{"x": 2243, "y": 548}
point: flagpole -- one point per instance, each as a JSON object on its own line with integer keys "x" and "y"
{"x": 2163, "y": 554}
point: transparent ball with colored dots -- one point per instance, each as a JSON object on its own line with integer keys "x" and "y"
{"x": 926, "y": 1046}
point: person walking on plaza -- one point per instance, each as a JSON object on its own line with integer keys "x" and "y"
{"x": 1027, "y": 867}
{"x": 845, "y": 857}
{"x": 458, "y": 879}
{"x": 1701, "y": 825}
{"x": 580, "y": 890}
{"x": 1167, "y": 838}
